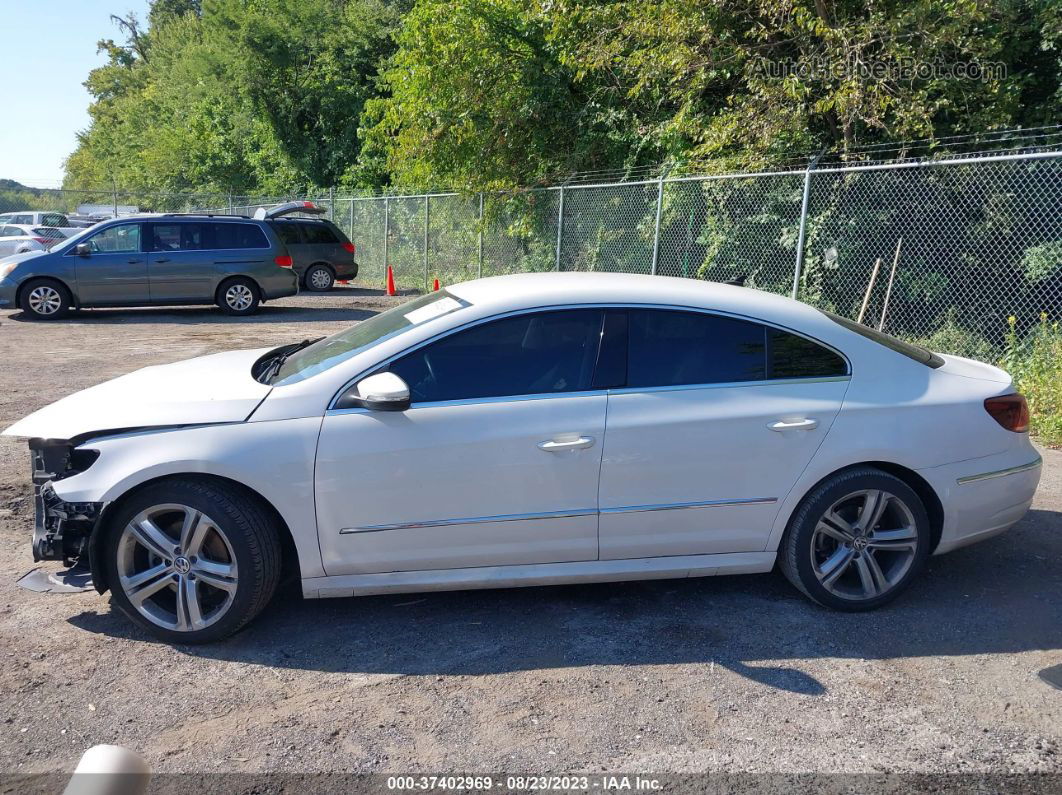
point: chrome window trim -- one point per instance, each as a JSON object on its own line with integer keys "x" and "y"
{"x": 563, "y": 307}
{"x": 524, "y": 517}
{"x": 1000, "y": 473}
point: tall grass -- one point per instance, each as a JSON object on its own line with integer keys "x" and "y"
{"x": 1035, "y": 362}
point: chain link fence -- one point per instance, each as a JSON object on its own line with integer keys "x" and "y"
{"x": 941, "y": 251}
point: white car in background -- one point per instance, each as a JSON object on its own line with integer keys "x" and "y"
{"x": 20, "y": 239}
{"x": 40, "y": 218}
{"x": 531, "y": 430}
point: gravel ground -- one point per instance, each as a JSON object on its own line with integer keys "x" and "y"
{"x": 721, "y": 674}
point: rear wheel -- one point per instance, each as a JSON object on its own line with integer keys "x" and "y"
{"x": 45, "y": 299}
{"x": 239, "y": 296}
{"x": 319, "y": 279}
{"x": 192, "y": 561}
{"x": 857, "y": 540}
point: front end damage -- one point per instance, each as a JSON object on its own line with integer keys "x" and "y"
{"x": 61, "y": 529}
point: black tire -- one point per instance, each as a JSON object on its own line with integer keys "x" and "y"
{"x": 239, "y": 296}
{"x": 897, "y": 555}
{"x": 319, "y": 279}
{"x": 41, "y": 295}
{"x": 246, "y": 532}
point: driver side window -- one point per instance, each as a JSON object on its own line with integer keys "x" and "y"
{"x": 541, "y": 353}
{"x": 121, "y": 239}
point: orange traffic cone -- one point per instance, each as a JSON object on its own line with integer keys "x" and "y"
{"x": 435, "y": 286}
{"x": 391, "y": 282}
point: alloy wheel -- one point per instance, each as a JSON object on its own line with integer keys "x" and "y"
{"x": 239, "y": 297}
{"x": 176, "y": 567}
{"x": 45, "y": 300}
{"x": 864, "y": 544}
{"x": 320, "y": 279}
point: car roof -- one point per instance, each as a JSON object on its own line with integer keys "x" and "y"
{"x": 526, "y": 290}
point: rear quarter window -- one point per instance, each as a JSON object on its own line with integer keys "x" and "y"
{"x": 237, "y": 236}
{"x": 318, "y": 233}
{"x": 288, "y": 232}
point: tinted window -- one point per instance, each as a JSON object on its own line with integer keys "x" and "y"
{"x": 790, "y": 356}
{"x": 11, "y": 231}
{"x": 179, "y": 237}
{"x": 318, "y": 233}
{"x": 239, "y": 236}
{"x": 669, "y": 348}
{"x": 22, "y": 219}
{"x": 916, "y": 352}
{"x": 287, "y": 232}
{"x": 522, "y": 355}
{"x": 120, "y": 239}
{"x": 54, "y": 219}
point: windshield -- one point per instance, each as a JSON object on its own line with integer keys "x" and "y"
{"x": 911, "y": 351}
{"x": 327, "y": 353}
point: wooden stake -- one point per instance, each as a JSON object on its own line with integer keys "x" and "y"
{"x": 888, "y": 290}
{"x": 870, "y": 287}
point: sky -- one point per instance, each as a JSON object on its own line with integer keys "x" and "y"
{"x": 48, "y": 51}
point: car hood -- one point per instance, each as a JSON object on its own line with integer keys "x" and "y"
{"x": 40, "y": 252}
{"x": 207, "y": 389}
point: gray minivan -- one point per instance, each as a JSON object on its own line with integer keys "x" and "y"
{"x": 232, "y": 261}
{"x": 322, "y": 253}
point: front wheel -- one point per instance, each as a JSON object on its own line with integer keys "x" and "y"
{"x": 44, "y": 299}
{"x": 239, "y": 296}
{"x": 192, "y": 560}
{"x": 857, "y": 540}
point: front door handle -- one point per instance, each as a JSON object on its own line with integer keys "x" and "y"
{"x": 806, "y": 424}
{"x": 555, "y": 446}
{"x": 160, "y": 259}
{"x": 137, "y": 262}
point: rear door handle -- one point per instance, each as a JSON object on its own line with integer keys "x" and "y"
{"x": 137, "y": 262}
{"x": 806, "y": 424}
{"x": 555, "y": 446}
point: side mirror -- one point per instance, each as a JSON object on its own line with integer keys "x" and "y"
{"x": 82, "y": 249}
{"x": 380, "y": 392}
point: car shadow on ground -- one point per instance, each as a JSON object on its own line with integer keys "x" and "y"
{"x": 1000, "y": 596}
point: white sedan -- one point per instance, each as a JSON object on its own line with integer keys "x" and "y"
{"x": 530, "y": 430}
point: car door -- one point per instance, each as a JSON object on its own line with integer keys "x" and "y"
{"x": 495, "y": 463}
{"x": 114, "y": 271}
{"x": 181, "y": 264}
{"x": 718, "y": 418}
{"x": 10, "y": 237}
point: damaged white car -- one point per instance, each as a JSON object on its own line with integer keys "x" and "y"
{"x": 530, "y": 430}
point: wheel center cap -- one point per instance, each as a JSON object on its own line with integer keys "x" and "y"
{"x": 860, "y": 543}
{"x": 182, "y": 565}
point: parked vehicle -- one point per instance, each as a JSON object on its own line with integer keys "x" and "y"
{"x": 47, "y": 236}
{"x": 233, "y": 261}
{"x": 462, "y": 441}
{"x": 16, "y": 240}
{"x": 320, "y": 250}
{"x": 39, "y": 218}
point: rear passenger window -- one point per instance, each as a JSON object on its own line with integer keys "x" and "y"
{"x": 237, "y": 235}
{"x": 179, "y": 237}
{"x": 670, "y": 348}
{"x": 790, "y": 356}
{"x": 318, "y": 233}
{"x": 287, "y": 232}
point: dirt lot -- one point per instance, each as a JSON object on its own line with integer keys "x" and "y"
{"x": 724, "y": 674}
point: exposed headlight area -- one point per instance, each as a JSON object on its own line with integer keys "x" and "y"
{"x": 61, "y": 529}
{"x": 5, "y": 270}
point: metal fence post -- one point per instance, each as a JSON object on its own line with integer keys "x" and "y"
{"x": 331, "y": 204}
{"x": 560, "y": 228}
{"x": 799, "y": 264}
{"x": 386, "y": 229}
{"x": 479, "y": 271}
{"x": 659, "y": 211}
{"x": 426, "y": 211}
{"x": 351, "y": 225}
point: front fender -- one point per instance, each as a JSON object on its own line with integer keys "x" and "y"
{"x": 274, "y": 459}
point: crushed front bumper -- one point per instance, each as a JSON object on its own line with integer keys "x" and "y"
{"x": 61, "y": 529}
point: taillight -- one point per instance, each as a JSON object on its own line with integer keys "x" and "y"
{"x": 283, "y": 261}
{"x": 1010, "y": 411}
{"x": 43, "y": 239}
{"x": 349, "y": 247}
